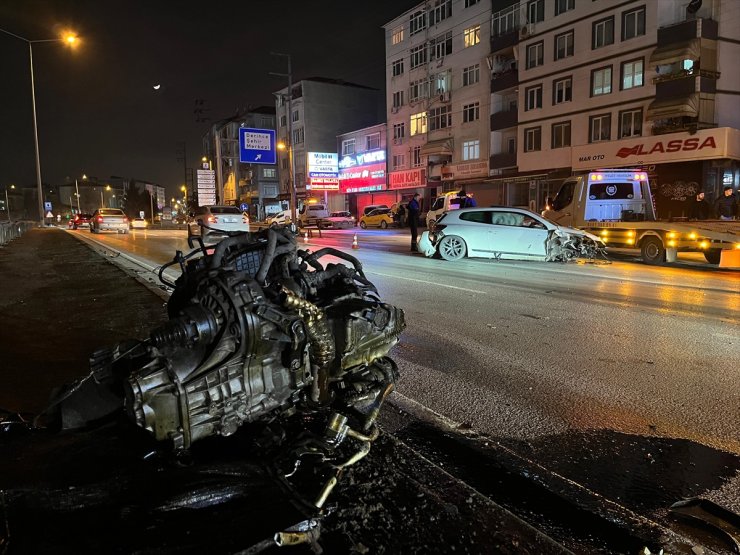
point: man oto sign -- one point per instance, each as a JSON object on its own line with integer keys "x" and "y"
{"x": 257, "y": 146}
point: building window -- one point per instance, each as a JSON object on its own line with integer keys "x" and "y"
{"x": 562, "y": 90}
{"x": 562, "y": 6}
{"x": 601, "y": 128}
{"x": 471, "y": 150}
{"x": 471, "y": 75}
{"x": 535, "y": 11}
{"x": 269, "y": 172}
{"x": 418, "y": 89}
{"x": 601, "y": 81}
{"x": 399, "y": 130}
{"x": 471, "y": 36}
{"x": 603, "y": 33}
{"x": 564, "y": 45}
{"x": 397, "y": 36}
{"x": 561, "y": 134}
{"x": 416, "y": 156}
{"x": 441, "y": 46}
{"x": 440, "y": 118}
{"x": 298, "y": 135}
{"x": 417, "y": 22}
{"x": 373, "y": 141}
{"x": 397, "y": 67}
{"x": 284, "y": 163}
{"x": 442, "y": 10}
{"x": 632, "y": 74}
{"x": 440, "y": 82}
{"x": 399, "y": 161}
{"x": 283, "y": 120}
{"x": 535, "y": 54}
{"x": 397, "y": 99}
{"x": 504, "y": 22}
{"x": 511, "y": 145}
{"x": 296, "y": 115}
{"x": 418, "y": 56}
{"x": 348, "y": 147}
{"x": 471, "y": 112}
{"x": 469, "y": 3}
{"x": 418, "y": 123}
{"x": 630, "y": 123}
{"x": 633, "y": 23}
{"x": 532, "y": 139}
{"x": 533, "y": 98}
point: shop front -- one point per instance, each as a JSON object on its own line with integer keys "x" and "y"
{"x": 403, "y": 184}
{"x": 362, "y": 178}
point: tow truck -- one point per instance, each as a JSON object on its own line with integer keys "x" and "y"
{"x": 616, "y": 205}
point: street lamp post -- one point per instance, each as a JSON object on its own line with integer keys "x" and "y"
{"x": 7, "y": 201}
{"x": 69, "y": 39}
{"x": 289, "y": 141}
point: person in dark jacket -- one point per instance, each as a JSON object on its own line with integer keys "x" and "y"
{"x": 700, "y": 209}
{"x": 726, "y": 205}
{"x": 413, "y": 209}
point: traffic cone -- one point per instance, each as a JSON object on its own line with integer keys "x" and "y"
{"x": 354, "y": 242}
{"x": 305, "y": 236}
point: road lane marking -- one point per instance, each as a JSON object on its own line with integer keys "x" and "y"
{"x": 429, "y": 282}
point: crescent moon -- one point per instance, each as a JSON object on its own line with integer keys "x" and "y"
{"x": 156, "y": 87}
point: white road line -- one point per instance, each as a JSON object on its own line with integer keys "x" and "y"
{"x": 426, "y": 282}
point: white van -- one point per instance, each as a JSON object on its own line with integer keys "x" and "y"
{"x": 310, "y": 214}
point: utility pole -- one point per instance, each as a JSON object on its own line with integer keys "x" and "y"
{"x": 289, "y": 140}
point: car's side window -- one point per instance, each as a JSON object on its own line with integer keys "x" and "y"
{"x": 507, "y": 218}
{"x": 480, "y": 217}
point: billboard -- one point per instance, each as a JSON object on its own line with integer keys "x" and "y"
{"x": 322, "y": 164}
{"x": 362, "y": 172}
{"x": 257, "y": 146}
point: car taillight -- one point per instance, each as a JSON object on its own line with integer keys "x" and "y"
{"x": 77, "y": 218}
{"x": 212, "y": 220}
{"x": 100, "y": 219}
{"x": 125, "y": 219}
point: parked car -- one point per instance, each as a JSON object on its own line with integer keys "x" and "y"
{"x": 337, "y": 220}
{"x": 139, "y": 223}
{"x": 211, "y": 222}
{"x": 370, "y": 207}
{"x": 79, "y": 220}
{"x": 504, "y": 233}
{"x": 280, "y": 218}
{"x": 380, "y": 217}
{"x": 109, "y": 219}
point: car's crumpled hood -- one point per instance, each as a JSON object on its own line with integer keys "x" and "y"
{"x": 566, "y": 243}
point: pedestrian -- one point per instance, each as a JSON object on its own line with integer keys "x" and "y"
{"x": 466, "y": 201}
{"x": 726, "y": 206}
{"x": 413, "y": 209}
{"x": 700, "y": 209}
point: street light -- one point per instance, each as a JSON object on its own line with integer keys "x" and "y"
{"x": 286, "y": 145}
{"x": 289, "y": 145}
{"x": 71, "y": 40}
{"x": 102, "y": 202}
{"x": 7, "y": 202}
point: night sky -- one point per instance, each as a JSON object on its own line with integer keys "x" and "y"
{"x": 97, "y": 110}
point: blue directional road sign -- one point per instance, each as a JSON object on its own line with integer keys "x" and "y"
{"x": 257, "y": 146}
{"x": 243, "y": 207}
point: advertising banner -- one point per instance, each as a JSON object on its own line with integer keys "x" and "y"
{"x": 370, "y": 177}
{"x": 407, "y": 179}
{"x": 323, "y": 164}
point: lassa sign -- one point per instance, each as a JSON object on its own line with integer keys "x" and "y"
{"x": 671, "y": 146}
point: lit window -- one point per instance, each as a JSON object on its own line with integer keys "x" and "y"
{"x": 471, "y": 36}
{"x": 601, "y": 81}
{"x": 397, "y": 35}
{"x": 471, "y": 150}
{"x": 630, "y": 123}
{"x": 561, "y": 134}
{"x": 632, "y": 74}
{"x": 471, "y": 75}
{"x": 471, "y": 112}
{"x": 532, "y": 139}
{"x": 418, "y": 124}
{"x": 601, "y": 128}
{"x": 269, "y": 172}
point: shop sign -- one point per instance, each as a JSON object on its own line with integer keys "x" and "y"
{"x": 407, "y": 179}
{"x": 322, "y": 164}
{"x": 462, "y": 171}
{"x": 362, "y": 159}
{"x": 323, "y": 184}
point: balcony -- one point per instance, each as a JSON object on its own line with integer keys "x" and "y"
{"x": 687, "y": 30}
{"x": 504, "y": 119}
{"x": 684, "y": 83}
{"x": 502, "y": 42}
{"x": 505, "y": 80}
{"x": 502, "y": 160}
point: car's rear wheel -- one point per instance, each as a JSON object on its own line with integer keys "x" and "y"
{"x": 452, "y": 247}
{"x": 363, "y": 225}
{"x": 653, "y": 251}
{"x": 383, "y": 225}
{"x": 713, "y": 256}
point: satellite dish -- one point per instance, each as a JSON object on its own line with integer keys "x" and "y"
{"x": 156, "y": 87}
{"x": 693, "y": 6}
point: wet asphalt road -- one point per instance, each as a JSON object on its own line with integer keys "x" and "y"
{"x": 620, "y": 377}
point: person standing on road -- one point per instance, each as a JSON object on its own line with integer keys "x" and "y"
{"x": 413, "y": 209}
{"x": 700, "y": 209}
{"x": 726, "y": 205}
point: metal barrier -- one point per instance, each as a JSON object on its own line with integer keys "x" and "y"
{"x": 13, "y": 230}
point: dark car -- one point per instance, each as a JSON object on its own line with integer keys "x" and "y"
{"x": 79, "y": 220}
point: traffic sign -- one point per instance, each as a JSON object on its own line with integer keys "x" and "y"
{"x": 243, "y": 207}
{"x": 47, "y": 207}
{"x": 257, "y": 146}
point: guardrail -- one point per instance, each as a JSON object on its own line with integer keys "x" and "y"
{"x": 13, "y": 230}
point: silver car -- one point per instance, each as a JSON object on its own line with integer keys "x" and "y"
{"x": 213, "y": 222}
{"x": 506, "y": 233}
{"x": 109, "y": 219}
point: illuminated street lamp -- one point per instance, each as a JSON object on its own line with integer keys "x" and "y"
{"x": 102, "y": 203}
{"x": 70, "y": 39}
{"x": 7, "y": 202}
{"x": 291, "y": 182}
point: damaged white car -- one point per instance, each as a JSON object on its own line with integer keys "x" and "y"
{"x": 506, "y": 233}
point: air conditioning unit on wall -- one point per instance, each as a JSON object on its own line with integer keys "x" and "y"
{"x": 444, "y": 97}
{"x": 397, "y": 141}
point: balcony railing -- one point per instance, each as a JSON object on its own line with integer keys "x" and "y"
{"x": 502, "y": 160}
{"x": 687, "y": 30}
{"x": 504, "y": 119}
{"x": 504, "y": 80}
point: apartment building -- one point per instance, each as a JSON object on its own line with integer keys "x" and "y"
{"x": 438, "y": 98}
{"x": 584, "y": 84}
{"x": 363, "y": 173}
{"x": 309, "y": 121}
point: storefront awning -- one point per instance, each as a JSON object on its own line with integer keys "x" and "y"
{"x": 674, "y": 107}
{"x": 442, "y": 146}
{"x": 676, "y": 52}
